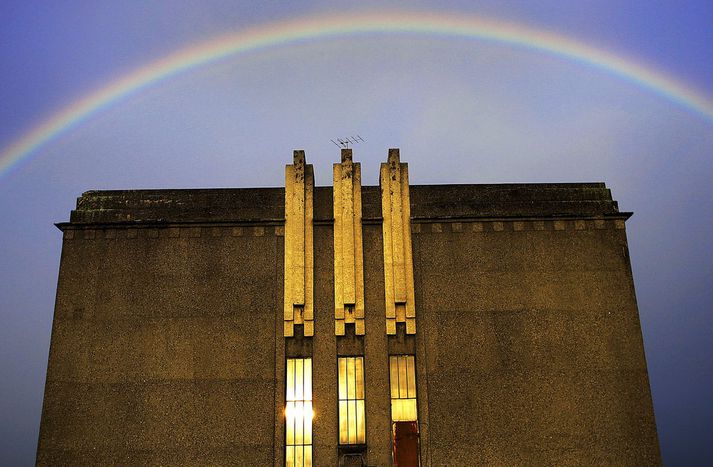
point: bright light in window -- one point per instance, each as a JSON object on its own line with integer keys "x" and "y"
{"x": 303, "y": 411}
{"x": 298, "y": 413}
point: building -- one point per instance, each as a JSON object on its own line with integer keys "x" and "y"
{"x": 347, "y": 325}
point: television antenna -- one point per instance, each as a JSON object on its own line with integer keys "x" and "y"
{"x": 345, "y": 142}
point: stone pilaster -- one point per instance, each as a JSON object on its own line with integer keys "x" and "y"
{"x": 348, "y": 254}
{"x": 398, "y": 260}
{"x": 299, "y": 251}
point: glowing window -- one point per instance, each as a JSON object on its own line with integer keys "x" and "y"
{"x": 352, "y": 429}
{"x": 298, "y": 413}
{"x": 404, "y": 411}
{"x": 403, "y": 388}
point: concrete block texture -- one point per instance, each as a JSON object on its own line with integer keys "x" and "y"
{"x": 163, "y": 353}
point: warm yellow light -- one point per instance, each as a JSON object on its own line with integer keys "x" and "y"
{"x": 404, "y": 410}
{"x": 352, "y": 426}
{"x": 301, "y": 413}
{"x": 402, "y": 371}
{"x": 298, "y": 413}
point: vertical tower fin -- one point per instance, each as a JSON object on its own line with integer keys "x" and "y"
{"x": 398, "y": 260}
{"x": 299, "y": 251}
{"x": 348, "y": 252}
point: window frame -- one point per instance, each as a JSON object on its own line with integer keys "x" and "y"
{"x": 408, "y": 386}
{"x": 344, "y": 404}
{"x": 298, "y": 409}
{"x": 406, "y": 415}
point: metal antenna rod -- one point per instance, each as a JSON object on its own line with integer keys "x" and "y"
{"x": 344, "y": 143}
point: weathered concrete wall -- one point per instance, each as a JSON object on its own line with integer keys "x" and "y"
{"x": 167, "y": 340}
{"x": 533, "y": 345}
{"x": 163, "y": 348}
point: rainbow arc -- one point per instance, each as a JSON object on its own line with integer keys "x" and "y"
{"x": 320, "y": 27}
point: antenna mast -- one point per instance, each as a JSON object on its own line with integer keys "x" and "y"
{"x": 345, "y": 142}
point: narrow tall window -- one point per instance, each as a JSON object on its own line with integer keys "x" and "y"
{"x": 403, "y": 388}
{"x": 352, "y": 428}
{"x": 404, "y": 410}
{"x": 298, "y": 413}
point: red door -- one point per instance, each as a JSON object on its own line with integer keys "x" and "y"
{"x": 405, "y": 444}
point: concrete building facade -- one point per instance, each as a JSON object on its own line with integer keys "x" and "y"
{"x": 348, "y": 325}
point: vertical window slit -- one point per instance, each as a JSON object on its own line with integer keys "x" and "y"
{"x": 352, "y": 425}
{"x": 298, "y": 412}
{"x": 404, "y": 410}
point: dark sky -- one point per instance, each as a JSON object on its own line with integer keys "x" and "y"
{"x": 462, "y": 110}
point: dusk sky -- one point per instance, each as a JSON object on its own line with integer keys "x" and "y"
{"x": 495, "y": 91}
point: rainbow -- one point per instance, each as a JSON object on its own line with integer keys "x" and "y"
{"x": 332, "y": 26}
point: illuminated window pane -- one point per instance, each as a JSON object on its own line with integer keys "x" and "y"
{"x": 411, "y": 378}
{"x": 403, "y": 392}
{"x": 351, "y": 408}
{"x": 360, "y": 423}
{"x": 290, "y": 456}
{"x": 359, "y": 376}
{"x": 351, "y": 379}
{"x": 352, "y": 424}
{"x": 290, "y": 380}
{"x": 290, "y": 423}
{"x": 307, "y": 433}
{"x": 299, "y": 458}
{"x": 308, "y": 455}
{"x": 299, "y": 378}
{"x": 299, "y": 424}
{"x": 402, "y": 370}
{"x": 343, "y": 428}
{"x": 298, "y": 413}
{"x": 342, "y": 378}
{"x": 404, "y": 410}
{"x": 394, "y": 373}
{"x": 307, "y": 390}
